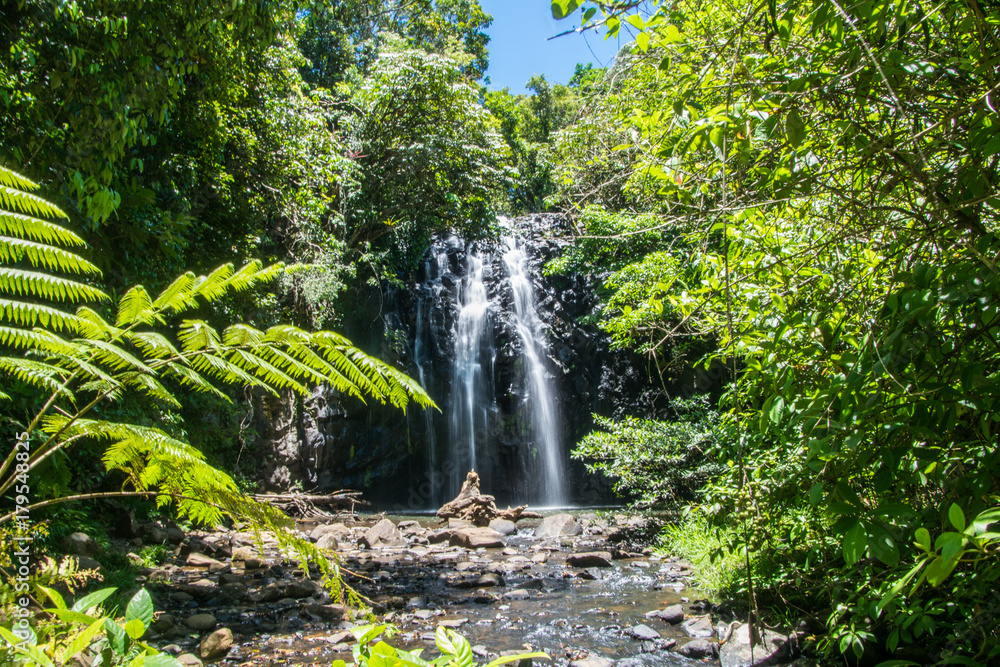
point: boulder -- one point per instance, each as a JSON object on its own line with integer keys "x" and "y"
{"x": 699, "y": 626}
{"x": 476, "y": 538}
{"x": 329, "y": 541}
{"x": 590, "y": 559}
{"x": 558, "y": 525}
{"x": 196, "y": 559}
{"x": 383, "y": 533}
{"x": 302, "y": 588}
{"x": 503, "y": 526}
{"x": 696, "y": 649}
{"x": 338, "y": 529}
{"x": 81, "y": 544}
{"x": 673, "y": 614}
{"x": 643, "y": 633}
{"x": 773, "y": 649}
{"x": 216, "y": 645}
{"x": 327, "y": 612}
{"x": 200, "y": 622}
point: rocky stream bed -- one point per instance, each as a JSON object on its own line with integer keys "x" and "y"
{"x": 572, "y": 586}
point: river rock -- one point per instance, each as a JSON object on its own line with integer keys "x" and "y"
{"x": 591, "y": 574}
{"x": 696, "y": 649}
{"x": 302, "y": 588}
{"x": 81, "y": 544}
{"x": 338, "y": 529}
{"x": 558, "y": 525}
{"x": 503, "y": 526}
{"x": 699, "y": 626}
{"x": 235, "y": 590}
{"x": 200, "y": 622}
{"x": 216, "y": 645}
{"x": 383, "y": 533}
{"x": 189, "y": 660}
{"x": 196, "y": 559}
{"x": 476, "y": 538}
{"x": 327, "y": 612}
{"x": 489, "y": 580}
{"x": 644, "y": 633}
{"x": 673, "y": 614}
{"x": 773, "y": 649}
{"x": 590, "y": 559}
{"x": 592, "y": 661}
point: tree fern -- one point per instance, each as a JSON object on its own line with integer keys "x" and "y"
{"x": 81, "y": 360}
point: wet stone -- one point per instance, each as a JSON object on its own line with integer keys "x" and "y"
{"x": 644, "y": 633}
{"x": 673, "y": 614}
{"x": 590, "y": 559}
{"x": 200, "y": 622}
{"x": 697, "y": 649}
{"x": 699, "y": 626}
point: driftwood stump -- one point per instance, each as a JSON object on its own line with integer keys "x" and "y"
{"x": 476, "y": 507}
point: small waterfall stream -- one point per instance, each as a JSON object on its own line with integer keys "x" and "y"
{"x": 539, "y": 398}
{"x": 471, "y": 395}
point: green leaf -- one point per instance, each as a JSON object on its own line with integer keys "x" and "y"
{"x": 563, "y": 8}
{"x": 82, "y": 640}
{"x": 883, "y": 546}
{"x": 795, "y": 128}
{"x": 53, "y": 595}
{"x": 923, "y": 539}
{"x": 517, "y": 658}
{"x": 140, "y": 607}
{"x": 117, "y": 637}
{"x": 854, "y": 543}
{"x": 134, "y": 628}
{"x": 91, "y": 600}
{"x": 939, "y": 570}
{"x": 957, "y": 517}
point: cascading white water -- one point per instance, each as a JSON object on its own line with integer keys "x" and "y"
{"x": 539, "y": 400}
{"x": 471, "y": 396}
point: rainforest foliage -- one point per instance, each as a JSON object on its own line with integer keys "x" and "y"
{"x": 822, "y": 178}
{"x": 798, "y": 197}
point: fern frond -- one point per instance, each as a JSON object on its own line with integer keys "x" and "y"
{"x": 36, "y": 374}
{"x": 290, "y": 365}
{"x": 20, "y": 201}
{"x": 226, "y": 372}
{"x": 135, "y": 306}
{"x": 193, "y": 380}
{"x": 151, "y": 387}
{"x": 12, "y": 179}
{"x": 152, "y": 344}
{"x": 13, "y": 250}
{"x": 28, "y": 227}
{"x": 197, "y": 335}
{"x": 94, "y": 327}
{"x": 115, "y": 357}
{"x": 242, "y": 334}
{"x": 372, "y": 385}
{"x": 267, "y": 372}
{"x": 43, "y": 285}
{"x": 87, "y": 370}
{"x": 35, "y": 339}
{"x": 32, "y": 314}
{"x": 250, "y": 275}
{"x": 178, "y": 296}
{"x": 211, "y": 287}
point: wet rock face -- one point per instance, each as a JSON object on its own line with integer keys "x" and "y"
{"x": 405, "y": 462}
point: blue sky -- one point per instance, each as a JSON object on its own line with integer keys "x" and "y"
{"x": 519, "y": 45}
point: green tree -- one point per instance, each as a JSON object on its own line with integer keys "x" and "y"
{"x": 842, "y": 162}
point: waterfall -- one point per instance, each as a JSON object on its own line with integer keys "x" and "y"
{"x": 539, "y": 398}
{"x": 471, "y": 394}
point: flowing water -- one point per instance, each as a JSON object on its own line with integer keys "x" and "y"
{"x": 539, "y": 397}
